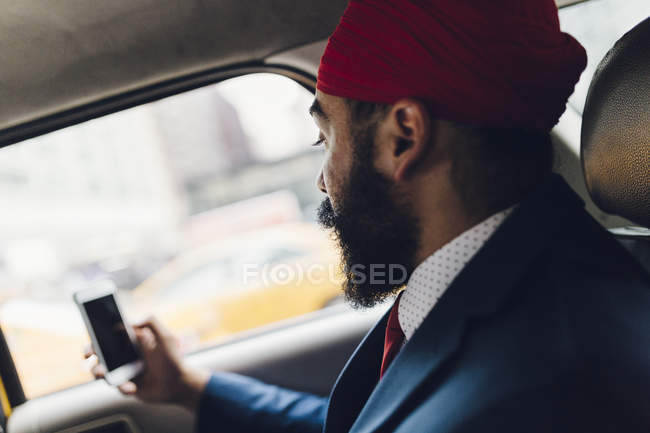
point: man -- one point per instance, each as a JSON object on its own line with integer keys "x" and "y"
{"x": 520, "y": 312}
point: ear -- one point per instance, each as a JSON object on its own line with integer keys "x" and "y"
{"x": 406, "y": 137}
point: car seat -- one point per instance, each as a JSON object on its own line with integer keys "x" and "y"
{"x": 615, "y": 138}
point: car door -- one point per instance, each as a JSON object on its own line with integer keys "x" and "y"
{"x": 305, "y": 355}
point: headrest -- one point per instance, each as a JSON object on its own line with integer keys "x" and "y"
{"x": 615, "y": 140}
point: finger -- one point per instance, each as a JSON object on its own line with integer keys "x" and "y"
{"x": 128, "y": 388}
{"x": 155, "y": 326}
{"x": 99, "y": 371}
{"x": 88, "y": 351}
{"x": 146, "y": 339}
{"x": 148, "y": 346}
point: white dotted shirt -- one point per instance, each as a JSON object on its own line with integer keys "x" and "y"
{"x": 432, "y": 277}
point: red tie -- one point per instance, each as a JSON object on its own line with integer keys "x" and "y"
{"x": 394, "y": 337}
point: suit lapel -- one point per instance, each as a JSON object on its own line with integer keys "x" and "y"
{"x": 478, "y": 291}
{"x": 357, "y": 380}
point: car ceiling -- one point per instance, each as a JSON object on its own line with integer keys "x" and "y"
{"x": 58, "y": 56}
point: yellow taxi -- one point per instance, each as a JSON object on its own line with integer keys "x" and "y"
{"x": 244, "y": 282}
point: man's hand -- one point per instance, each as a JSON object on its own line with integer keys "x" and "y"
{"x": 165, "y": 378}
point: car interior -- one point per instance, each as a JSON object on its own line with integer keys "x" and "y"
{"x": 66, "y": 64}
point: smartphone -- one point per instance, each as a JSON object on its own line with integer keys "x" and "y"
{"x": 112, "y": 338}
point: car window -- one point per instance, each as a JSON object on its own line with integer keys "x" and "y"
{"x": 200, "y": 207}
{"x": 598, "y": 24}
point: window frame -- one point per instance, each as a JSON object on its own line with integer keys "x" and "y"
{"x": 164, "y": 89}
{"x": 10, "y": 385}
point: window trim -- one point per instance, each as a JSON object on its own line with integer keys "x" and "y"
{"x": 164, "y": 89}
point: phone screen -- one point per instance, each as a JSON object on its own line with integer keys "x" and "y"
{"x": 112, "y": 337}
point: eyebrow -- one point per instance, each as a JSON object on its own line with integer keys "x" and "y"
{"x": 317, "y": 110}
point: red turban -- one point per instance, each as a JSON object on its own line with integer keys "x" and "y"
{"x": 500, "y": 63}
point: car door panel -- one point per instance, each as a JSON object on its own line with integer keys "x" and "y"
{"x": 304, "y": 354}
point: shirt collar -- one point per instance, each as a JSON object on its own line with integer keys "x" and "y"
{"x": 433, "y": 276}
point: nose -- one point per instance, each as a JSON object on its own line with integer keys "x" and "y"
{"x": 320, "y": 182}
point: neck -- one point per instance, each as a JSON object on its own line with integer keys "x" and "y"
{"x": 441, "y": 220}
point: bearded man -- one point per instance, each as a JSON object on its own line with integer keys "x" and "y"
{"x": 520, "y": 312}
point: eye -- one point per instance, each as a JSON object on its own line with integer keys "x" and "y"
{"x": 320, "y": 141}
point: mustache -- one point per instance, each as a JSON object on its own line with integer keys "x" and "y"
{"x": 326, "y": 216}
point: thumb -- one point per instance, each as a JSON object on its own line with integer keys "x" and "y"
{"x": 147, "y": 343}
{"x": 128, "y": 388}
{"x": 155, "y": 327}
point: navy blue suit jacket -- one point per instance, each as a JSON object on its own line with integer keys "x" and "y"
{"x": 547, "y": 329}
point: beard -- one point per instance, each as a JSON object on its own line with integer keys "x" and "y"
{"x": 376, "y": 234}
